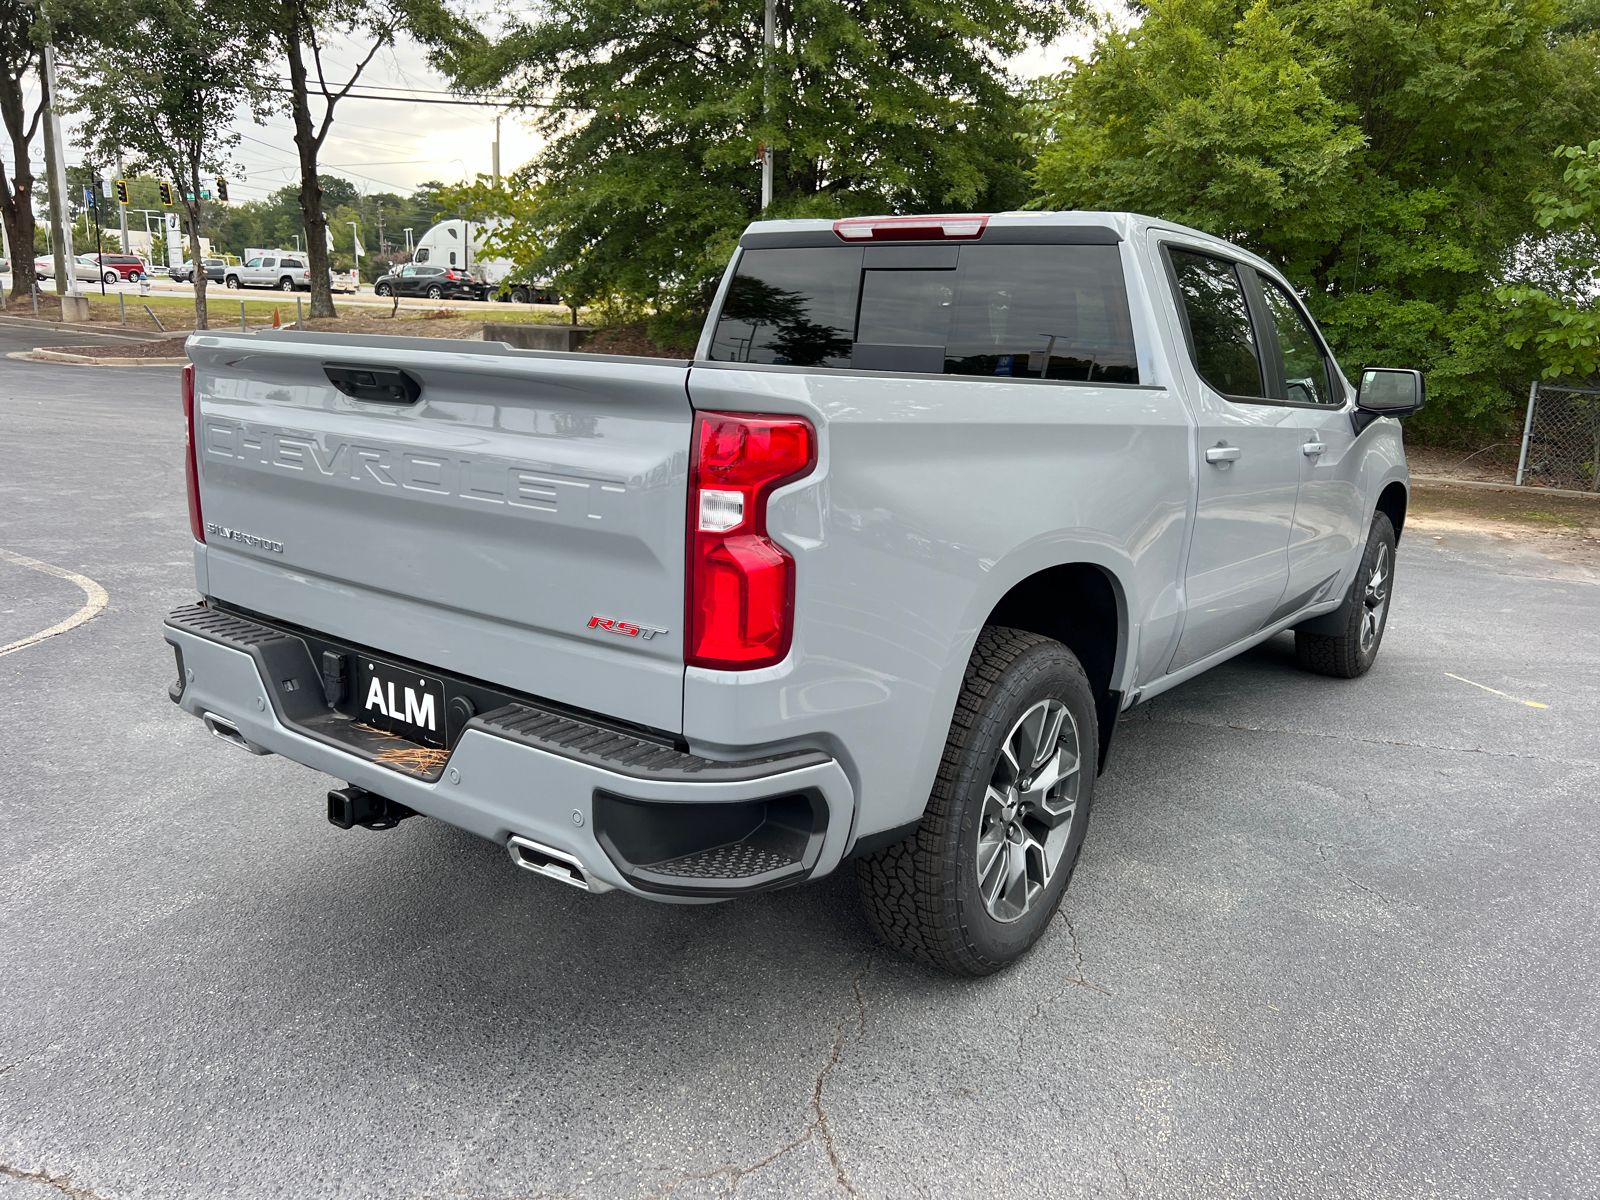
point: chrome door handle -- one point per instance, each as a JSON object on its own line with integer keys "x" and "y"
{"x": 1222, "y": 454}
{"x": 1312, "y": 449}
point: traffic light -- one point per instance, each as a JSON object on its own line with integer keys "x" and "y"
{"x": 122, "y": 191}
{"x": 222, "y": 189}
{"x": 166, "y": 194}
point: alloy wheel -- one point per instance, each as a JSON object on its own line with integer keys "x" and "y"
{"x": 1028, "y": 810}
{"x": 1375, "y": 600}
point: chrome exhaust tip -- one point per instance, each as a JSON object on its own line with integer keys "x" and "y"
{"x": 229, "y": 732}
{"x": 552, "y": 864}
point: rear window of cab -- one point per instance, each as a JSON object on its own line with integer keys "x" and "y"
{"x": 996, "y": 311}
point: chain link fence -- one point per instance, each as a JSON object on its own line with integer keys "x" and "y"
{"x": 1561, "y": 438}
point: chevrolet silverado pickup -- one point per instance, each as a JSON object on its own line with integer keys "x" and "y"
{"x": 867, "y": 581}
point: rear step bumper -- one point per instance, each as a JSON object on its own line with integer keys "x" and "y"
{"x": 580, "y": 802}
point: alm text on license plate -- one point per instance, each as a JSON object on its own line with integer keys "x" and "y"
{"x": 402, "y": 702}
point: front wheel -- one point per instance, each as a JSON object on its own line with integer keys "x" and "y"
{"x": 110, "y": 277}
{"x": 382, "y": 289}
{"x": 1345, "y": 643}
{"x": 978, "y": 882}
{"x": 435, "y": 292}
{"x": 135, "y": 276}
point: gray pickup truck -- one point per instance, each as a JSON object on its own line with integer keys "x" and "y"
{"x": 869, "y": 579}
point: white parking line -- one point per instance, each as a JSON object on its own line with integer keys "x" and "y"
{"x": 94, "y": 599}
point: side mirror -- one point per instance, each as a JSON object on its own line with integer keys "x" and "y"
{"x": 1390, "y": 392}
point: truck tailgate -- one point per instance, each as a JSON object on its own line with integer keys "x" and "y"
{"x": 479, "y": 528}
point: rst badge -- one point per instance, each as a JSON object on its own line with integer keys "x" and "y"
{"x": 624, "y": 628}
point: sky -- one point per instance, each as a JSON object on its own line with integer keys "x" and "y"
{"x": 384, "y": 146}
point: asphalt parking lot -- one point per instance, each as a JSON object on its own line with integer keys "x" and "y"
{"x": 1325, "y": 939}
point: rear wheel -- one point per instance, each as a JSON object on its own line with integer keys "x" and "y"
{"x": 519, "y": 295}
{"x": 233, "y": 281}
{"x": 286, "y": 284}
{"x": 978, "y": 882}
{"x": 1357, "y": 626}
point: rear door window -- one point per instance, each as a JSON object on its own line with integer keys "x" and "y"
{"x": 1021, "y": 312}
{"x": 1218, "y": 318}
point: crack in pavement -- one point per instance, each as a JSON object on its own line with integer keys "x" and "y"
{"x": 818, "y": 1126}
{"x": 1078, "y": 980}
{"x": 62, "y": 1183}
{"x": 1371, "y": 741}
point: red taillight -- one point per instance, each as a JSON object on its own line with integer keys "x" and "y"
{"x": 950, "y": 228}
{"x": 741, "y": 582}
{"x": 191, "y": 467}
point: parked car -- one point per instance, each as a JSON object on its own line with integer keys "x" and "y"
{"x": 957, "y": 492}
{"x": 436, "y": 283}
{"x": 85, "y": 267}
{"x": 214, "y": 268}
{"x": 116, "y": 267}
{"x": 285, "y": 271}
{"x": 344, "y": 281}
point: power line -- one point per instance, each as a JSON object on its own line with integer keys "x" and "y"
{"x": 506, "y": 102}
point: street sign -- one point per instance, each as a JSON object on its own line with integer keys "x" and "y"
{"x": 88, "y": 197}
{"x": 105, "y": 188}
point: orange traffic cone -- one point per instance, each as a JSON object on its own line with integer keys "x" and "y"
{"x": 277, "y": 321}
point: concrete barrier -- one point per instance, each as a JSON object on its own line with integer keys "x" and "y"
{"x": 536, "y": 337}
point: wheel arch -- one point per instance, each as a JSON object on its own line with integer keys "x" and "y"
{"x": 1392, "y": 503}
{"x": 1082, "y": 605}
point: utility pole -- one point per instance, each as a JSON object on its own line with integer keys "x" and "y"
{"x": 380, "y": 226}
{"x": 408, "y": 239}
{"x": 497, "y": 149}
{"x": 74, "y": 305}
{"x": 767, "y": 44}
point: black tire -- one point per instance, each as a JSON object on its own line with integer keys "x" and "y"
{"x": 1336, "y": 644}
{"x": 519, "y": 295}
{"x": 286, "y": 284}
{"x": 135, "y": 276}
{"x": 381, "y": 290}
{"x": 435, "y": 292}
{"x": 111, "y": 277}
{"x": 922, "y": 895}
{"x": 232, "y": 282}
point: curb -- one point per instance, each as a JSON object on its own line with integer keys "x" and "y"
{"x": 131, "y": 335}
{"x": 1525, "y": 490}
{"x": 61, "y": 358}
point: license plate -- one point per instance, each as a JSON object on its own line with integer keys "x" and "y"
{"x": 401, "y": 702}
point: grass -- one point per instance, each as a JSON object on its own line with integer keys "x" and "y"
{"x": 175, "y": 314}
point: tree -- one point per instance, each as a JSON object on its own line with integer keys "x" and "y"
{"x": 24, "y": 31}
{"x": 174, "y": 111}
{"x": 362, "y": 27}
{"x": 1381, "y": 151}
{"x": 656, "y": 114}
{"x": 1556, "y": 301}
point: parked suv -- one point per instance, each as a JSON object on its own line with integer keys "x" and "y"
{"x": 436, "y": 283}
{"x": 214, "y": 269}
{"x": 284, "y": 271}
{"x": 867, "y": 581}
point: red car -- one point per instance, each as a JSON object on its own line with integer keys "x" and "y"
{"x": 123, "y": 266}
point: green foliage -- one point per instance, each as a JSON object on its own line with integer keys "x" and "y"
{"x": 1381, "y": 151}
{"x": 656, "y": 113}
{"x": 1555, "y": 307}
{"x": 175, "y": 112}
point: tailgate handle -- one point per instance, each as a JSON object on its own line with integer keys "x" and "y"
{"x": 376, "y": 385}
